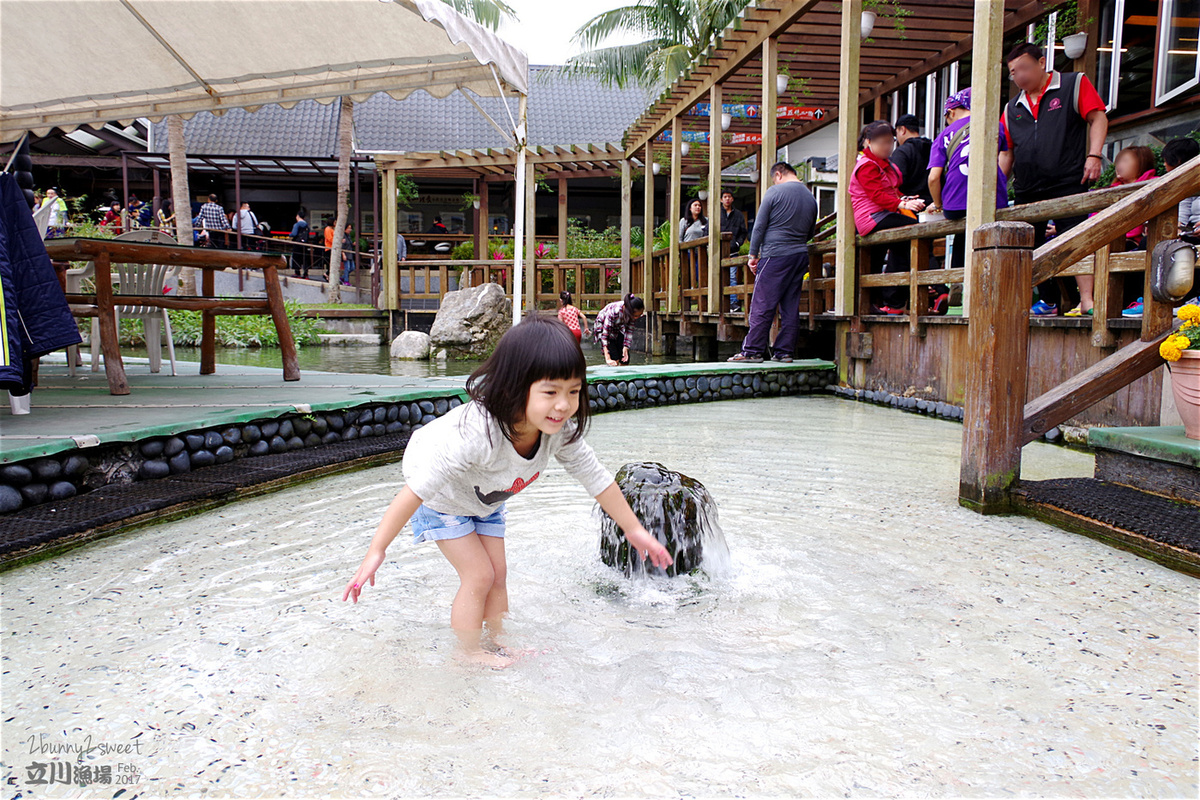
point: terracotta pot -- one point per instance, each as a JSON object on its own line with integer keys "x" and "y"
{"x": 1185, "y": 382}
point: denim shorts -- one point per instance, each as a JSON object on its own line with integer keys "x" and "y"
{"x": 429, "y": 525}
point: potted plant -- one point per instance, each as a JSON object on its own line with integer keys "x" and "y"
{"x": 891, "y": 9}
{"x": 1182, "y": 353}
{"x": 470, "y": 201}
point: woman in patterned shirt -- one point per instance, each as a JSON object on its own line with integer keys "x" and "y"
{"x": 613, "y": 329}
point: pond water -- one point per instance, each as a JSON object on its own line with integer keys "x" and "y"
{"x": 377, "y": 360}
{"x": 869, "y": 637}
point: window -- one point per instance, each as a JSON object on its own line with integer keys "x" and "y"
{"x": 1178, "y": 49}
{"x": 1127, "y": 52}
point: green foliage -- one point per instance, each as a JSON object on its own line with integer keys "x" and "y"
{"x": 232, "y": 330}
{"x": 406, "y": 190}
{"x": 1065, "y": 24}
{"x": 671, "y": 33}
{"x": 489, "y": 13}
{"x": 469, "y": 200}
{"x": 891, "y": 10}
{"x": 463, "y": 251}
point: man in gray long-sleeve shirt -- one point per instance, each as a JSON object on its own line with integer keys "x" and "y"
{"x": 779, "y": 259}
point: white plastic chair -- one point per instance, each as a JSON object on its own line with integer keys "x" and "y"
{"x": 139, "y": 279}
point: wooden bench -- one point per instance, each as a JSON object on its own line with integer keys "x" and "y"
{"x": 106, "y": 252}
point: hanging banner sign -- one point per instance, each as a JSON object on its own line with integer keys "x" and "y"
{"x": 753, "y": 111}
{"x": 746, "y": 138}
{"x": 699, "y": 137}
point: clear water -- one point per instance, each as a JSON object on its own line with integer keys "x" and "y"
{"x": 870, "y": 637}
{"x": 378, "y": 361}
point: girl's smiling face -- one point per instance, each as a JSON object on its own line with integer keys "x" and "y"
{"x": 550, "y": 404}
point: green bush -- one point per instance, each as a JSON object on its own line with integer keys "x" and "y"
{"x": 232, "y": 330}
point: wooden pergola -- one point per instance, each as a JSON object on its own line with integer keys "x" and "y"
{"x": 833, "y": 75}
{"x": 487, "y": 166}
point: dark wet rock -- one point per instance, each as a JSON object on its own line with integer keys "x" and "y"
{"x": 10, "y": 499}
{"x": 155, "y": 468}
{"x": 675, "y": 508}
{"x": 15, "y": 474}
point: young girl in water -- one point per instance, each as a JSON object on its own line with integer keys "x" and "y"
{"x": 460, "y": 469}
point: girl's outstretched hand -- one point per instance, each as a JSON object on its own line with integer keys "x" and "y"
{"x": 647, "y": 546}
{"x": 366, "y": 572}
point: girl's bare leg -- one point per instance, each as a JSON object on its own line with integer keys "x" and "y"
{"x": 1086, "y": 284}
{"x": 477, "y": 578}
{"x": 496, "y": 606}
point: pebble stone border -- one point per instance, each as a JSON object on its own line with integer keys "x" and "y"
{"x": 612, "y": 395}
{"x": 51, "y": 478}
{"x": 917, "y": 405}
{"x": 56, "y": 478}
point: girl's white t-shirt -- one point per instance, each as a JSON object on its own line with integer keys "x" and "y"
{"x": 461, "y": 463}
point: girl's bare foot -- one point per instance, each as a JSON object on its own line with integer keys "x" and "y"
{"x": 486, "y": 659}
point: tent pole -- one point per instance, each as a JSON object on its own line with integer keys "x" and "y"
{"x": 519, "y": 214}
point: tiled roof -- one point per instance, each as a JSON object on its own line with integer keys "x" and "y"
{"x": 562, "y": 110}
{"x": 307, "y": 129}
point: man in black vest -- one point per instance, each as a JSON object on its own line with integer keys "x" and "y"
{"x": 1055, "y": 128}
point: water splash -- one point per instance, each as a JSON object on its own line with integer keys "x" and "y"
{"x": 678, "y": 511}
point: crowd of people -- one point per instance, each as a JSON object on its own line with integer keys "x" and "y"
{"x": 1051, "y": 135}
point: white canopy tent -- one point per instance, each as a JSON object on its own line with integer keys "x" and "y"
{"x": 71, "y": 63}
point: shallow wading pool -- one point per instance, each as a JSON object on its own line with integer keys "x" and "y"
{"x": 870, "y": 637}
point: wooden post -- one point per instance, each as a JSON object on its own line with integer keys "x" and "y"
{"x": 998, "y": 345}
{"x": 1107, "y": 297}
{"x": 626, "y": 226}
{"x": 530, "y": 236}
{"x": 562, "y": 217}
{"x": 208, "y": 326}
{"x": 987, "y": 54}
{"x": 478, "y": 221}
{"x": 485, "y": 224}
{"x": 770, "y": 100}
{"x": 674, "y": 210}
{"x": 391, "y": 283}
{"x": 648, "y": 234}
{"x": 287, "y": 343}
{"x": 114, "y": 367}
{"x": 1087, "y": 10}
{"x": 715, "y": 103}
{"x": 845, "y": 263}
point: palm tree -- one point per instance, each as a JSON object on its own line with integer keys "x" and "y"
{"x": 180, "y": 199}
{"x": 675, "y": 32}
{"x": 488, "y": 13}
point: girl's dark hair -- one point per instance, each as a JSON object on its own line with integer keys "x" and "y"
{"x": 565, "y": 296}
{"x": 539, "y": 348}
{"x": 1177, "y": 151}
{"x": 873, "y": 130}
{"x": 633, "y": 303}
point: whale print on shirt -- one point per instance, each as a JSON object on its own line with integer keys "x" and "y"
{"x": 499, "y": 496}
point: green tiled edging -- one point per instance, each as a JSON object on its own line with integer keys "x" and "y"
{"x": 1159, "y": 444}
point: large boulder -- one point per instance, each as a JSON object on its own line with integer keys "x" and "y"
{"x": 471, "y": 321}
{"x": 411, "y": 345}
{"x": 676, "y": 510}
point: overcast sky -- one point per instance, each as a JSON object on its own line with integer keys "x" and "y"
{"x": 546, "y": 26}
